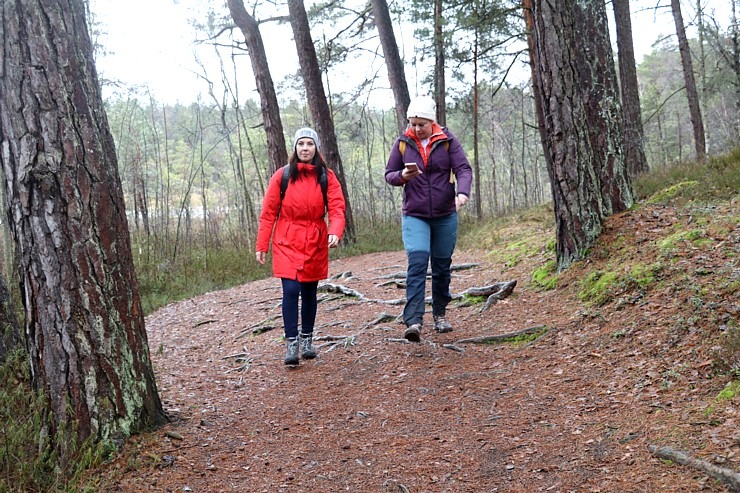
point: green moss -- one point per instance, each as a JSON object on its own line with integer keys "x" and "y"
{"x": 469, "y": 300}
{"x": 598, "y": 287}
{"x": 550, "y": 245}
{"x": 645, "y": 275}
{"x": 669, "y": 244}
{"x": 666, "y": 194}
{"x": 546, "y": 276}
{"x": 731, "y": 390}
{"x": 522, "y": 339}
{"x": 516, "y": 251}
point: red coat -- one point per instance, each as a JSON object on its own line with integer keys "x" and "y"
{"x": 300, "y": 243}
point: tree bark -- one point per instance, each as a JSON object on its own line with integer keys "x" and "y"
{"x": 318, "y": 104}
{"x": 276, "y": 149}
{"x": 393, "y": 62}
{"x": 600, "y": 94}
{"x": 634, "y": 150}
{"x": 440, "y": 88}
{"x": 579, "y": 208}
{"x": 688, "y": 76}
{"x": 84, "y": 325}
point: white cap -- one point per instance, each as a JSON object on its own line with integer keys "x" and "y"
{"x": 422, "y": 107}
{"x": 306, "y": 132}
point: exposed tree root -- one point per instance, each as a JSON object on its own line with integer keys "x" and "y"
{"x": 503, "y": 337}
{"x": 495, "y": 292}
{"x": 260, "y": 327}
{"x": 402, "y": 274}
{"x": 727, "y": 476}
{"x": 338, "y": 288}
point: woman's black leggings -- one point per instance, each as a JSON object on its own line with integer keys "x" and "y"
{"x": 292, "y": 290}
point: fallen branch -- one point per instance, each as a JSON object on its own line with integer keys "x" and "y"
{"x": 503, "y": 337}
{"x": 727, "y": 476}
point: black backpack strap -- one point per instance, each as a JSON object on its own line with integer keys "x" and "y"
{"x": 284, "y": 181}
{"x": 324, "y": 183}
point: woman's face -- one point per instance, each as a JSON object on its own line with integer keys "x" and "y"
{"x": 422, "y": 127}
{"x": 305, "y": 148}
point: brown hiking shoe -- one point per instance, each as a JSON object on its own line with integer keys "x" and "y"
{"x": 441, "y": 324}
{"x": 413, "y": 333}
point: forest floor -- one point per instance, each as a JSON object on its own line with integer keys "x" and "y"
{"x": 574, "y": 410}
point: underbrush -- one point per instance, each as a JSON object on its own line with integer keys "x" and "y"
{"x": 690, "y": 182}
{"x": 27, "y": 462}
{"x": 196, "y": 271}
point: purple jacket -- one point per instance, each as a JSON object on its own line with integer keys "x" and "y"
{"x": 431, "y": 194}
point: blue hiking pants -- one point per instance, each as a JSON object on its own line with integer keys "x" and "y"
{"x": 425, "y": 239}
{"x": 292, "y": 290}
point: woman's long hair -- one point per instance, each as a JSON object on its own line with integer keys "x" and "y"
{"x": 318, "y": 162}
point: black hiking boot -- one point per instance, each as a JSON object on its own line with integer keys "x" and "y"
{"x": 291, "y": 354}
{"x": 307, "y": 350}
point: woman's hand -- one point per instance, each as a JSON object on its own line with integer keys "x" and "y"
{"x": 410, "y": 173}
{"x": 333, "y": 241}
{"x": 460, "y": 200}
{"x": 261, "y": 256}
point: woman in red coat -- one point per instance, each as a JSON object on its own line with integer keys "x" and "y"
{"x": 301, "y": 237}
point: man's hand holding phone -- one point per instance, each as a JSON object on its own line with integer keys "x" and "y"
{"x": 410, "y": 171}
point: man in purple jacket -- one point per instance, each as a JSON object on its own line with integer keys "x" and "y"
{"x": 427, "y": 161}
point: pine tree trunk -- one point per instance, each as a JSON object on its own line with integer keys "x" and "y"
{"x": 692, "y": 94}
{"x": 276, "y": 149}
{"x": 633, "y": 131}
{"x": 84, "y": 324}
{"x": 440, "y": 85}
{"x": 554, "y": 52}
{"x": 393, "y": 62}
{"x": 318, "y": 104}
{"x": 600, "y": 93}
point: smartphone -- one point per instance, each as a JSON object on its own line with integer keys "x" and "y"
{"x": 411, "y": 166}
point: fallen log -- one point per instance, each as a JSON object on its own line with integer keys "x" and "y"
{"x": 504, "y": 337}
{"x": 727, "y": 476}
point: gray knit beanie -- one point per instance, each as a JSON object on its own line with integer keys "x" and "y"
{"x": 306, "y": 132}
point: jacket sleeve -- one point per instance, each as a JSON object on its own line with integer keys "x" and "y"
{"x": 460, "y": 166}
{"x": 336, "y": 205}
{"x": 394, "y": 166}
{"x": 269, "y": 214}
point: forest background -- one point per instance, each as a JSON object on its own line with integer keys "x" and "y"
{"x": 194, "y": 171}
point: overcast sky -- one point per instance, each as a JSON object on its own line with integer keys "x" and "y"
{"x": 151, "y": 43}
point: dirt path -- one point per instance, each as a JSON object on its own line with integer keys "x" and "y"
{"x": 573, "y": 411}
